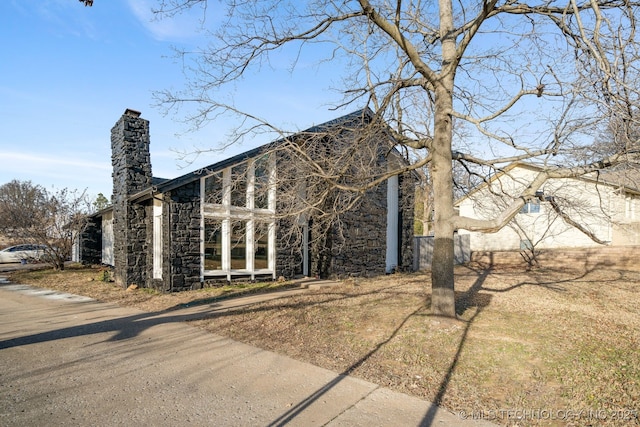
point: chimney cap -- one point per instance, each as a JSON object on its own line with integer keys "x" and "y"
{"x": 132, "y": 113}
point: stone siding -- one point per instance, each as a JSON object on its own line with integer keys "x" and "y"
{"x": 356, "y": 247}
{"x": 288, "y": 250}
{"x": 183, "y": 246}
{"x": 359, "y": 246}
{"x": 408, "y": 182}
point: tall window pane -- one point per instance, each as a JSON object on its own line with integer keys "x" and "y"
{"x": 261, "y": 197}
{"x": 261, "y": 245}
{"x": 239, "y": 186}
{"x": 238, "y": 245}
{"x": 213, "y": 189}
{"x": 212, "y": 244}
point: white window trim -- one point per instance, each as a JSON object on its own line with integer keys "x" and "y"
{"x": 157, "y": 239}
{"x": 393, "y": 191}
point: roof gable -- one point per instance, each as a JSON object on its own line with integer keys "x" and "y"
{"x": 350, "y": 120}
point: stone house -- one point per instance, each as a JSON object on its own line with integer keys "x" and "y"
{"x": 237, "y": 219}
{"x": 605, "y": 205}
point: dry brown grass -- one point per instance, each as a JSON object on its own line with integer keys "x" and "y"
{"x": 528, "y": 348}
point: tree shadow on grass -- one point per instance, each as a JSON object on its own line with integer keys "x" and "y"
{"x": 470, "y": 299}
{"x": 304, "y": 404}
{"x": 478, "y": 296}
{"x": 131, "y": 326}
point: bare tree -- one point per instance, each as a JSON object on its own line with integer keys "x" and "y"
{"x": 480, "y": 83}
{"x": 31, "y": 214}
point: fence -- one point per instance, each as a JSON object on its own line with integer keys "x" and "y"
{"x": 423, "y": 250}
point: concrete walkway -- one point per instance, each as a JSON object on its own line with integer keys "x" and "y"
{"x": 66, "y": 360}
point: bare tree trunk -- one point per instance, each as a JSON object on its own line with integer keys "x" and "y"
{"x": 442, "y": 295}
{"x": 443, "y": 301}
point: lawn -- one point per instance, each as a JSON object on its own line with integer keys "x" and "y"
{"x": 542, "y": 347}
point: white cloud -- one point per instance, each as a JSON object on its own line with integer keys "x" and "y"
{"x": 14, "y": 159}
{"x": 57, "y": 171}
{"x": 62, "y": 17}
{"x": 183, "y": 26}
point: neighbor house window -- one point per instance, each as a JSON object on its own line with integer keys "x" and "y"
{"x": 531, "y": 207}
{"x": 238, "y": 220}
{"x": 629, "y": 207}
{"x": 526, "y": 245}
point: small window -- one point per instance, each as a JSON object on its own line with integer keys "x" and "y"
{"x": 532, "y": 207}
{"x": 629, "y": 207}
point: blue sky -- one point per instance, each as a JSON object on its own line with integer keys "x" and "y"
{"x": 68, "y": 72}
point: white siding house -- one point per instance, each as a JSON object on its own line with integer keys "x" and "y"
{"x": 602, "y": 204}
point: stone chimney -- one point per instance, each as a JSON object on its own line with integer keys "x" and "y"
{"x": 130, "y": 156}
{"x": 131, "y": 163}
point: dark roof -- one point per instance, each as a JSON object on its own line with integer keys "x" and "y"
{"x": 160, "y": 186}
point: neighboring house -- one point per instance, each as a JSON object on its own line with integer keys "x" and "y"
{"x": 233, "y": 219}
{"x": 605, "y": 205}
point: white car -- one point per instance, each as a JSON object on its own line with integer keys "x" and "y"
{"x": 21, "y": 252}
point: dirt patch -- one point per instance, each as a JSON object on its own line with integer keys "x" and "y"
{"x": 545, "y": 347}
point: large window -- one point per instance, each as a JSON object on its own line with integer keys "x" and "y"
{"x": 238, "y": 225}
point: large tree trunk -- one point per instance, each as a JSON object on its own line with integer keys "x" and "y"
{"x": 442, "y": 293}
{"x": 443, "y": 302}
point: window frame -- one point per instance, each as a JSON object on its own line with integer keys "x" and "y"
{"x": 249, "y": 215}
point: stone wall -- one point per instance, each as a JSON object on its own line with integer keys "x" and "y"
{"x": 131, "y": 163}
{"x": 357, "y": 245}
{"x": 408, "y": 182}
{"x": 182, "y": 265}
{"x": 288, "y": 250}
{"x": 360, "y": 240}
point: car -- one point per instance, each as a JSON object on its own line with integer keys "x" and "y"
{"x": 19, "y": 253}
